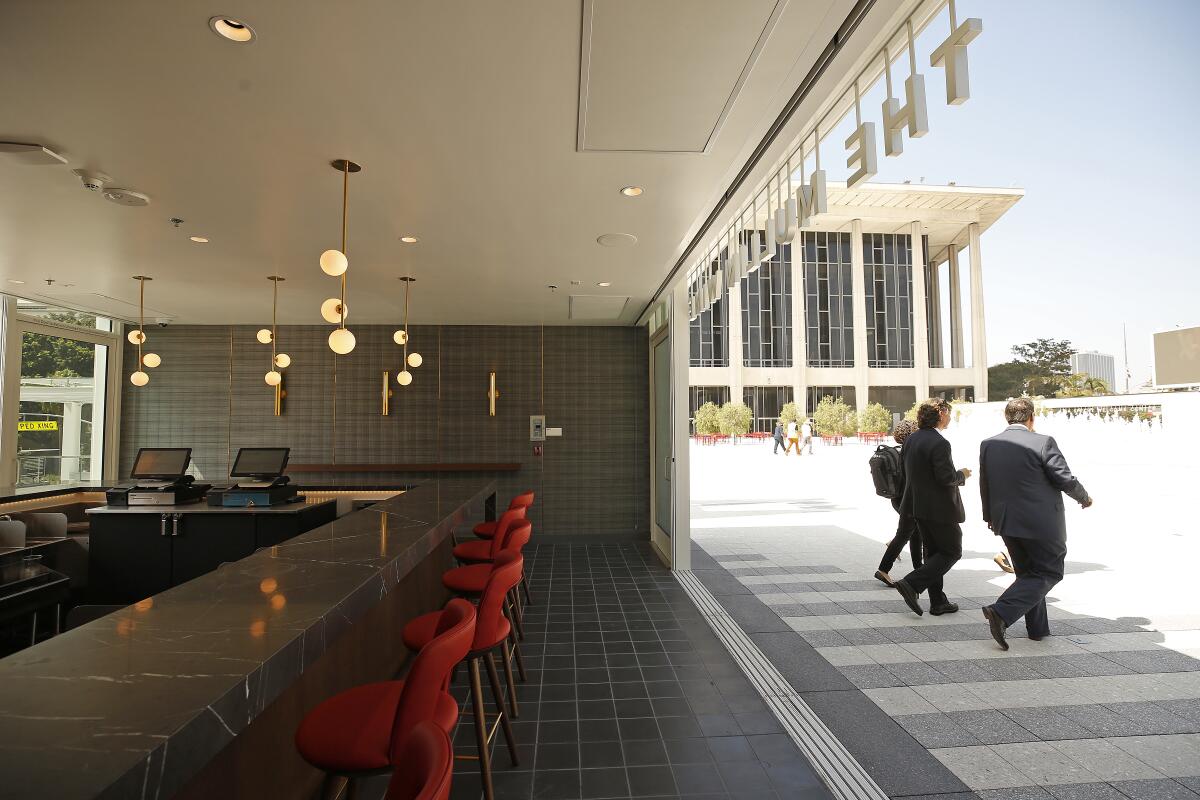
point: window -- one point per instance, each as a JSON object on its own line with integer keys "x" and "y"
{"x": 814, "y": 394}
{"x": 765, "y": 403}
{"x": 708, "y": 333}
{"x": 63, "y": 316}
{"x": 896, "y": 399}
{"x": 767, "y": 312}
{"x": 828, "y": 292}
{"x": 887, "y": 268}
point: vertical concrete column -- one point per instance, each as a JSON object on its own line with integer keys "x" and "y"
{"x": 799, "y": 325}
{"x": 978, "y": 336}
{"x": 956, "y": 326}
{"x": 858, "y": 283}
{"x": 733, "y": 302}
{"x": 71, "y": 431}
{"x": 920, "y": 331}
{"x": 935, "y": 314}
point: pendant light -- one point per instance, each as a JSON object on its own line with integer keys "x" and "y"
{"x": 138, "y": 337}
{"x": 401, "y": 337}
{"x": 335, "y": 264}
{"x": 278, "y": 360}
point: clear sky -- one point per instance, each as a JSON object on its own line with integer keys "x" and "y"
{"x": 1092, "y": 107}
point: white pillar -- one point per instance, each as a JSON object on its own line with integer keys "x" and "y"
{"x": 858, "y": 283}
{"x": 920, "y": 332}
{"x": 935, "y": 314}
{"x": 733, "y": 302}
{"x": 978, "y": 339}
{"x": 72, "y": 428}
{"x": 799, "y": 325}
{"x": 956, "y": 326}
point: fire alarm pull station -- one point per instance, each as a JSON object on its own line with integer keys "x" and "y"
{"x": 537, "y": 428}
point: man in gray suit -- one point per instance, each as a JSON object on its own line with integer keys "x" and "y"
{"x": 1022, "y": 477}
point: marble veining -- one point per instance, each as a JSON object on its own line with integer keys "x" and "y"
{"x": 134, "y": 704}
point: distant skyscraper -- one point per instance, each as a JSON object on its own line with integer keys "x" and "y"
{"x": 1096, "y": 365}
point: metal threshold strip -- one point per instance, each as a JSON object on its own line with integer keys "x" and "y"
{"x": 840, "y": 771}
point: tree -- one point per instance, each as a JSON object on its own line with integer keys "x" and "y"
{"x": 911, "y": 414}
{"x": 1006, "y": 381}
{"x": 735, "y": 418}
{"x": 1048, "y": 362}
{"x": 789, "y": 413}
{"x": 875, "y": 419}
{"x": 708, "y": 419}
{"x": 56, "y": 357}
{"x": 1082, "y": 385}
{"x": 833, "y": 417}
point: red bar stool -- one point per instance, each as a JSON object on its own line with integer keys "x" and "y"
{"x": 492, "y": 632}
{"x": 486, "y": 550}
{"x": 486, "y": 530}
{"x": 359, "y": 732}
{"x": 428, "y": 759}
{"x": 469, "y": 581}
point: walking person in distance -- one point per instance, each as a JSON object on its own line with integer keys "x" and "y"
{"x": 793, "y": 438}
{"x": 778, "y": 436}
{"x": 906, "y": 528}
{"x": 806, "y": 436}
{"x": 1022, "y": 477}
{"x": 931, "y": 496}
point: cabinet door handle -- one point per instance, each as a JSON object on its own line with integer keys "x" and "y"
{"x": 162, "y": 525}
{"x": 175, "y": 524}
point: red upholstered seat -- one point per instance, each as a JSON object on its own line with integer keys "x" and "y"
{"x": 363, "y": 729}
{"x": 486, "y": 530}
{"x": 352, "y": 731}
{"x": 419, "y": 631}
{"x": 477, "y": 551}
{"x": 467, "y": 580}
{"x": 491, "y": 626}
{"x": 428, "y": 763}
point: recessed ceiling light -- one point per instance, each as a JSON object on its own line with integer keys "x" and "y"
{"x": 604, "y": 284}
{"x": 616, "y": 239}
{"x": 14, "y": 280}
{"x": 198, "y": 239}
{"x": 409, "y": 239}
{"x": 231, "y": 29}
{"x": 632, "y": 191}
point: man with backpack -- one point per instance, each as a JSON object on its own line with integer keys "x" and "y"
{"x": 887, "y": 471}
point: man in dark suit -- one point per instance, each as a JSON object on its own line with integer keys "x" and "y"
{"x": 931, "y": 496}
{"x": 1022, "y": 477}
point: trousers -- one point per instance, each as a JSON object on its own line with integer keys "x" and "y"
{"x": 943, "y": 549}
{"x": 1039, "y": 566}
{"x": 906, "y": 533}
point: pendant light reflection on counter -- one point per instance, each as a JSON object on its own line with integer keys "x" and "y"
{"x": 336, "y": 263}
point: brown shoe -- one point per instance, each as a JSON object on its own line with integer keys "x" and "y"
{"x": 884, "y": 578}
{"x": 1002, "y": 561}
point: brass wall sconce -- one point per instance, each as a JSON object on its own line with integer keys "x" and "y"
{"x": 492, "y": 394}
{"x": 385, "y": 397}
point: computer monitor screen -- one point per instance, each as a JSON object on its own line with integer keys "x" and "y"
{"x": 254, "y": 462}
{"x": 161, "y": 462}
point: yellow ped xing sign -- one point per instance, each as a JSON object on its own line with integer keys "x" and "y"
{"x": 38, "y": 425}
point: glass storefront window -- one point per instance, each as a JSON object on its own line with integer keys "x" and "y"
{"x": 63, "y": 316}
{"x": 60, "y": 420}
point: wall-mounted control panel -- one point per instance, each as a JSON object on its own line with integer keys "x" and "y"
{"x": 537, "y": 428}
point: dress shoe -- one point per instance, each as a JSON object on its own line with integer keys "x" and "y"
{"x": 943, "y": 608}
{"x": 1003, "y": 563}
{"x": 997, "y": 626}
{"x": 884, "y": 578}
{"x": 910, "y": 596}
{"x": 1037, "y": 638}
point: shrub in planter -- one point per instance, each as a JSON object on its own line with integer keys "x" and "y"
{"x": 708, "y": 419}
{"x": 875, "y": 419}
{"x": 789, "y": 413}
{"x": 834, "y": 418}
{"x": 735, "y": 418}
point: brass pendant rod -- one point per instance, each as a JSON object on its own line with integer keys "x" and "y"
{"x": 407, "y": 289}
{"x": 274, "y": 304}
{"x": 345, "y": 206}
{"x": 141, "y": 317}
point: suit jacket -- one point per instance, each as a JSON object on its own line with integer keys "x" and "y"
{"x": 930, "y": 480}
{"x": 1022, "y": 478}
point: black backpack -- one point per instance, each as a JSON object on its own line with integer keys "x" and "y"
{"x": 887, "y": 471}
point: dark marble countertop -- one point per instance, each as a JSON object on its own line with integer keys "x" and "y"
{"x": 137, "y": 702}
{"x": 9, "y": 494}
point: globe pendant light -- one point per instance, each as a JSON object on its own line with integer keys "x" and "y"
{"x": 278, "y": 360}
{"x": 335, "y": 263}
{"x": 401, "y": 337}
{"x": 138, "y": 337}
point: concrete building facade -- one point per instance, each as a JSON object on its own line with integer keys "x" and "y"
{"x": 841, "y": 311}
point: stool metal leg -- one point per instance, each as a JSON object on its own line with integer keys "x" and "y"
{"x": 498, "y": 694}
{"x": 481, "y": 732}
{"x": 525, "y": 586}
{"x": 516, "y": 649}
{"x": 508, "y": 677}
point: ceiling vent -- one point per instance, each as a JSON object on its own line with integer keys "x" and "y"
{"x": 597, "y": 308}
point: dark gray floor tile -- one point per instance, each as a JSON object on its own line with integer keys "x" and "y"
{"x": 966, "y": 671}
{"x": 864, "y": 636}
{"x": 897, "y": 762}
{"x": 802, "y": 666}
{"x": 730, "y": 748}
{"x": 936, "y": 730}
{"x": 1017, "y": 793}
{"x": 721, "y": 584}
{"x": 651, "y": 781}
{"x": 990, "y": 727}
{"x": 757, "y": 722}
{"x": 689, "y": 751}
{"x": 916, "y": 674}
{"x": 556, "y": 785}
{"x": 1188, "y": 708}
{"x": 1150, "y": 718}
{"x": 601, "y": 754}
{"x": 1085, "y": 791}
{"x": 752, "y": 615}
{"x": 1162, "y": 789}
{"x": 1151, "y": 661}
{"x": 1047, "y": 724}
{"x": 744, "y": 776}
{"x": 696, "y": 779}
{"x": 824, "y": 638}
{"x": 603, "y": 783}
{"x": 870, "y": 676}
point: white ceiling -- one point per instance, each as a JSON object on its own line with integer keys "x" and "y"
{"x": 463, "y": 114}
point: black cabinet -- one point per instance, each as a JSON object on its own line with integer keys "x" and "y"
{"x": 136, "y": 554}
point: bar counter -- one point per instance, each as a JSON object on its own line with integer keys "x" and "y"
{"x": 195, "y": 692}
